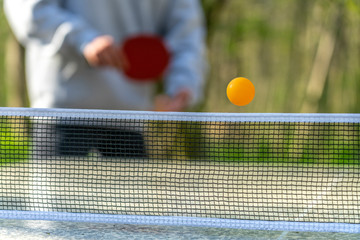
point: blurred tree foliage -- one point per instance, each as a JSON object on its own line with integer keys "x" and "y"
{"x": 302, "y": 55}
{"x": 3, "y": 36}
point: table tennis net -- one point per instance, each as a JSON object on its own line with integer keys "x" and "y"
{"x": 253, "y": 171}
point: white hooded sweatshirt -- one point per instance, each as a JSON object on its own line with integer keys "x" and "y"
{"x": 54, "y": 33}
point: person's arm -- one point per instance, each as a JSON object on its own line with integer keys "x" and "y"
{"x": 46, "y": 22}
{"x": 185, "y": 35}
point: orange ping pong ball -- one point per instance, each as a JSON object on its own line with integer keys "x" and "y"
{"x": 240, "y": 91}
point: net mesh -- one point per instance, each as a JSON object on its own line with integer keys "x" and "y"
{"x": 293, "y": 168}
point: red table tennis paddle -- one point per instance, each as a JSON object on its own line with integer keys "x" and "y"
{"x": 146, "y": 57}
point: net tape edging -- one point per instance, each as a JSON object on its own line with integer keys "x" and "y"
{"x": 182, "y": 221}
{"x": 182, "y": 116}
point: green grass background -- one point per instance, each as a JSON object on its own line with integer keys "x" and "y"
{"x": 315, "y": 143}
{"x": 15, "y": 140}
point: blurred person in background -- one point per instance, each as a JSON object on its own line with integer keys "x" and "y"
{"x": 73, "y": 61}
{"x": 72, "y": 52}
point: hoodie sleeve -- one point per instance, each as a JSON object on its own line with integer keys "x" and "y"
{"x": 185, "y": 35}
{"x": 47, "y": 23}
